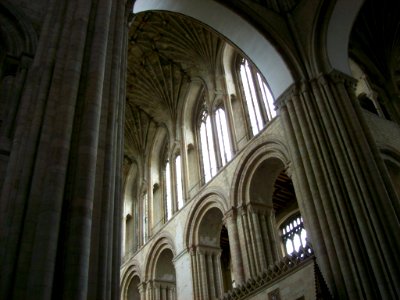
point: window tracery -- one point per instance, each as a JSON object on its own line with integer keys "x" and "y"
{"x": 293, "y": 234}
{"x": 257, "y": 97}
{"x": 207, "y": 147}
{"x": 223, "y": 136}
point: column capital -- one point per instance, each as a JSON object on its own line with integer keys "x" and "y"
{"x": 192, "y": 250}
{"x": 230, "y": 215}
{"x": 259, "y": 208}
{"x": 336, "y": 77}
{"x": 142, "y": 287}
{"x": 303, "y": 85}
{"x": 287, "y": 96}
{"x": 205, "y": 249}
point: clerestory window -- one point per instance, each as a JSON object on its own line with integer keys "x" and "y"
{"x": 179, "y": 185}
{"x": 207, "y": 148}
{"x": 145, "y": 218}
{"x": 257, "y": 97}
{"x": 215, "y": 146}
{"x": 223, "y": 136}
{"x": 168, "y": 192}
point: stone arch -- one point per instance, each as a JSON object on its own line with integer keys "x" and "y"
{"x": 156, "y": 163}
{"x": 160, "y": 275}
{"x": 132, "y": 271}
{"x": 242, "y": 34}
{"x": 130, "y": 181}
{"x": 18, "y": 42}
{"x": 212, "y": 200}
{"x": 130, "y": 209}
{"x": 335, "y": 25}
{"x": 161, "y": 243}
{"x": 203, "y": 238}
{"x": 17, "y": 34}
{"x": 261, "y": 156}
{"x": 256, "y": 196}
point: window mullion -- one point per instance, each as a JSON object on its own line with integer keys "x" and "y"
{"x": 259, "y": 97}
{"x": 220, "y": 137}
{"x": 213, "y": 147}
{"x": 253, "y": 97}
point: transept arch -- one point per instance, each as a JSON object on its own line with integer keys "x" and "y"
{"x": 336, "y": 38}
{"x": 241, "y": 33}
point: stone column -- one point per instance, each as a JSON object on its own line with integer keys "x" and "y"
{"x": 234, "y": 245}
{"x": 207, "y": 267}
{"x": 246, "y": 244}
{"x": 259, "y": 239}
{"x": 195, "y": 273}
{"x": 219, "y": 285}
{"x": 61, "y": 233}
{"x": 344, "y": 195}
{"x": 172, "y": 293}
{"x": 149, "y": 290}
{"x": 142, "y": 291}
{"x": 157, "y": 288}
{"x": 202, "y": 264}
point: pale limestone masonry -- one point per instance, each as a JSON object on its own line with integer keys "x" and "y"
{"x": 142, "y": 157}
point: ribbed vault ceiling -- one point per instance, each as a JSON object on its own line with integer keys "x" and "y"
{"x": 166, "y": 51}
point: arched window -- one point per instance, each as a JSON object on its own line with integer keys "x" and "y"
{"x": 293, "y": 234}
{"x": 207, "y": 147}
{"x": 214, "y": 142}
{"x": 168, "y": 192}
{"x": 145, "y": 218}
{"x": 223, "y": 137}
{"x": 257, "y": 96}
{"x": 178, "y": 178}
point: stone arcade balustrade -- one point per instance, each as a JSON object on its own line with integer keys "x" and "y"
{"x": 289, "y": 264}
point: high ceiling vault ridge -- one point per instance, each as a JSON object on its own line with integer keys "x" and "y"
{"x": 166, "y": 51}
{"x": 140, "y": 130}
{"x": 158, "y": 87}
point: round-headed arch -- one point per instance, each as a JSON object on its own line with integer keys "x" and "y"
{"x": 132, "y": 271}
{"x": 162, "y": 247}
{"x": 18, "y": 36}
{"x": 262, "y": 53}
{"x": 257, "y": 173}
{"x": 206, "y": 214}
{"x": 340, "y": 22}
